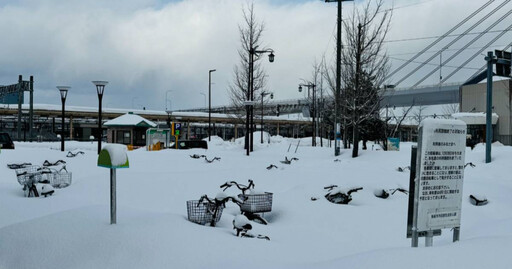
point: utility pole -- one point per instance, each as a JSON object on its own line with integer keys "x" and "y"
{"x": 337, "y": 106}
{"x": 210, "y": 103}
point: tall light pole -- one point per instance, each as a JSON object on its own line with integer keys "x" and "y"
{"x": 100, "y": 88}
{"x": 263, "y": 94}
{"x": 249, "y": 104}
{"x": 210, "y": 102}
{"x": 311, "y": 85}
{"x": 337, "y": 106}
{"x": 63, "y": 94}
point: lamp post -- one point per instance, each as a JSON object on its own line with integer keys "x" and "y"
{"x": 210, "y": 102}
{"x": 250, "y": 95}
{"x": 263, "y": 94}
{"x": 100, "y": 88}
{"x": 63, "y": 94}
{"x": 337, "y": 99}
{"x": 311, "y": 85}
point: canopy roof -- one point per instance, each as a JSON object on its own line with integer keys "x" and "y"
{"x": 130, "y": 119}
{"x": 474, "y": 118}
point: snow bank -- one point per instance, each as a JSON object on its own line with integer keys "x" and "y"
{"x": 71, "y": 229}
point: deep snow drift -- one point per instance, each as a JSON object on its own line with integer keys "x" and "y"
{"x": 71, "y": 228}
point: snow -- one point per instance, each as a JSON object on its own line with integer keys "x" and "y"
{"x": 432, "y": 123}
{"x": 71, "y": 228}
{"x": 117, "y": 153}
{"x": 475, "y": 117}
{"x": 129, "y": 120}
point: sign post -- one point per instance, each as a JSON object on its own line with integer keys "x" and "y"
{"x": 175, "y": 130}
{"x": 439, "y": 178}
{"x": 113, "y": 156}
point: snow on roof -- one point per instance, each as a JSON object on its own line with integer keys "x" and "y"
{"x": 129, "y": 119}
{"x": 432, "y": 122}
{"x": 474, "y": 118}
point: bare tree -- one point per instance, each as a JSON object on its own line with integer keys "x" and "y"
{"x": 419, "y": 113}
{"x": 364, "y": 65}
{"x": 397, "y": 121}
{"x": 450, "y": 109}
{"x": 251, "y": 31}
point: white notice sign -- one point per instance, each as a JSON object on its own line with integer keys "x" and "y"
{"x": 439, "y": 174}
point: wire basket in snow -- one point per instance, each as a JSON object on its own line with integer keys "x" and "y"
{"x": 256, "y": 203}
{"x": 59, "y": 179}
{"x": 28, "y": 173}
{"x": 203, "y": 212}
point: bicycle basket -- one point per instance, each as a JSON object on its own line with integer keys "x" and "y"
{"x": 256, "y": 203}
{"x": 60, "y": 179}
{"x": 27, "y": 174}
{"x": 202, "y": 213}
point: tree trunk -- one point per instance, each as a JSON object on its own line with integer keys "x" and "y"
{"x": 355, "y": 139}
{"x": 355, "y": 116}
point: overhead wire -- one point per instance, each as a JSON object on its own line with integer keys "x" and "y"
{"x": 440, "y": 38}
{"x": 453, "y": 41}
{"x": 433, "y": 51}
{"x": 465, "y": 46}
{"x": 432, "y": 37}
{"x": 485, "y": 65}
{"x": 476, "y": 54}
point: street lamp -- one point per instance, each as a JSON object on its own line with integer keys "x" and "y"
{"x": 263, "y": 94}
{"x": 100, "y": 88}
{"x": 210, "y": 102}
{"x": 337, "y": 99}
{"x": 311, "y": 85}
{"x": 63, "y": 94}
{"x": 250, "y": 95}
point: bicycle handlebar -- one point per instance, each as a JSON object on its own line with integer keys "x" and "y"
{"x": 330, "y": 187}
{"x": 241, "y": 187}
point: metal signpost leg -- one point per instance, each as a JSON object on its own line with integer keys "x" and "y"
{"x": 429, "y": 239}
{"x": 412, "y": 194}
{"x": 414, "y": 241}
{"x": 456, "y": 234}
{"x": 112, "y": 196}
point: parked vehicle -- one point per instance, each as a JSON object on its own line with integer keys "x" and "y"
{"x": 190, "y": 144}
{"x": 6, "y": 141}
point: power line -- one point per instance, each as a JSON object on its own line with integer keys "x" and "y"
{"x": 406, "y": 6}
{"x": 433, "y": 64}
{"x": 432, "y": 37}
{"x": 432, "y": 51}
{"x": 453, "y": 41}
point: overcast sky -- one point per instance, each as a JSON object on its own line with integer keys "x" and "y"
{"x": 145, "y": 48}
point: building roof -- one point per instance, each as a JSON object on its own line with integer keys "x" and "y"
{"x": 474, "y": 118}
{"x": 130, "y": 119}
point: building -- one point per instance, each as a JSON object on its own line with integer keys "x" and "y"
{"x": 82, "y": 122}
{"x": 473, "y": 100}
{"x": 128, "y": 129}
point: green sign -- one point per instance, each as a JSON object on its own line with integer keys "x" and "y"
{"x": 105, "y": 160}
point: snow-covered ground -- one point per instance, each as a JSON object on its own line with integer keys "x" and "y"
{"x": 71, "y": 229}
